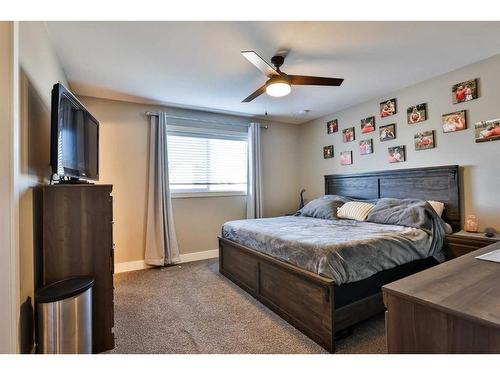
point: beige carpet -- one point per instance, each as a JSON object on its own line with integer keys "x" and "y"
{"x": 193, "y": 309}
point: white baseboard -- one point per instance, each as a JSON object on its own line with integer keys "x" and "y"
{"x": 131, "y": 266}
{"x": 200, "y": 255}
{"x": 183, "y": 258}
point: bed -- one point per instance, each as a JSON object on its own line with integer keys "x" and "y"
{"x": 323, "y": 304}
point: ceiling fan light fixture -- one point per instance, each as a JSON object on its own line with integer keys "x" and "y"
{"x": 278, "y": 87}
{"x": 279, "y": 83}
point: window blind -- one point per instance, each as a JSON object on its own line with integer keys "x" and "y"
{"x": 207, "y": 161}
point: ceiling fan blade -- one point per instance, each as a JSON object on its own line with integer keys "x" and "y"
{"x": 261, "y": 90}
{"x": 317, "y": 81}
{"x": 260, "y": 63}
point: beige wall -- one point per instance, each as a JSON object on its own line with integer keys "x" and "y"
{"x": 8, "y": 257}
{"x": 40, "y": 69}
{"x": 480, "y": 162}
{"x": 123, "y": 163}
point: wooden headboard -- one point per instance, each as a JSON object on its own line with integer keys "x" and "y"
{"x": 432, "y": 183}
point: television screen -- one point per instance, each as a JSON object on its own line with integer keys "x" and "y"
{"x": 75, "y": 137}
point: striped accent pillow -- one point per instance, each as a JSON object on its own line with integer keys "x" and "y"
{"x": 355, "y": 210}
{"x": 438, "y": 207}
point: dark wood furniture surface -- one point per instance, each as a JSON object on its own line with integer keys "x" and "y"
{"x": 450, "y": 308}
{"x": 305, "y": 299}
{"x": 461, "y": 243}
{"x": 74, "y": 237}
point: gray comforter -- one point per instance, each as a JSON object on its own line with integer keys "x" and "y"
{"x": 344, "y": 250}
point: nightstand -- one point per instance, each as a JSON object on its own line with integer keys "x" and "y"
{"x": 461, "y": 243}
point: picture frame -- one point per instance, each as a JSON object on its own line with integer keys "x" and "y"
{"x": 346, "y": 158}
{"x": 486, "y": 131}
{"x": 368, "y": 125}
{"x": 332, "y": 126}
{"x": 366, "y": 146}
{"x": 424, "y": 140}
{"x": 416, "y": 113}
{"x": 397, "y": 154}
{"x": 387, "y": 132}
{"x": 454, "y": 121}
{"x": 348, "y": 135}
{"x": 465, "y": 91}
{"x": 328, "y": 152}
{"x": 388, "y": 108}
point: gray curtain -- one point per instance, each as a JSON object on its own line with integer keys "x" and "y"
{"x": 254, "y": 181}
{"x": 161, "y": 242}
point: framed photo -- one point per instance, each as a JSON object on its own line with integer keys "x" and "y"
{"x": 397, "y": 154}
{"x": 417, "y": 113}
{"x": 366, "y": 146}
{"x": 332, "y": 126}
{"x": 464, "y": 91}
{"x": 346, "y": 158}
{"x": 328, "y": 152}
{"x": 424, "y": 140}
{"x": 488, "y": 131}
{"x": 368, "y": 125}
{"x": 348, "y": 135}
{"x": 387, "y": 132}
{"x": 453, "y": 122}
{"x": 388, "y": 108}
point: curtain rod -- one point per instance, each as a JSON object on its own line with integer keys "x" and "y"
{"x": 199, "y": 120}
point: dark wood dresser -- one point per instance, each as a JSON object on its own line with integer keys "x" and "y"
{"x": 451, "y": 308}
{"x": 74, "y": 237}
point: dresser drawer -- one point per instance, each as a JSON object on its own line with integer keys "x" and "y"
{"x": 454, "y": 250}
{"x": 456, "y": 246}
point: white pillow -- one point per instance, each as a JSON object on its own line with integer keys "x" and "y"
{"x": 438, "y": 207}
{"x": 355, "y": 210}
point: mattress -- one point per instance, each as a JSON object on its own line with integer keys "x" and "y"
{"x": 343, "y": 250}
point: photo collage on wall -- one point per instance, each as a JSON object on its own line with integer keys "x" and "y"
{"x": 455, "y": 121}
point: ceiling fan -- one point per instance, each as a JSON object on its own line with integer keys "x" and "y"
{"x": 279, "y": 83}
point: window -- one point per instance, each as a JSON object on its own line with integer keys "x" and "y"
{"x": 203, "y": 161}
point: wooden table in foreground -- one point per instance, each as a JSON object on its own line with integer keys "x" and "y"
{"x": 451, "y": 308}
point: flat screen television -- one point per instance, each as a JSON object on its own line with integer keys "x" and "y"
{"x": 74, "y": 137}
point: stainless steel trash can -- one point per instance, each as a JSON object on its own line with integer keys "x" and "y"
{"x": 64, "y": 316}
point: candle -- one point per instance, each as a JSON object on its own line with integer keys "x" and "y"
{"x": 471, "y": 224}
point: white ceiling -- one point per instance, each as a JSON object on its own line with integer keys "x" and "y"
{"x": 198, "y": 64}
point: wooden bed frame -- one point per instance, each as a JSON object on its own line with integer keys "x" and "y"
{"x": 305, "y": 299}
